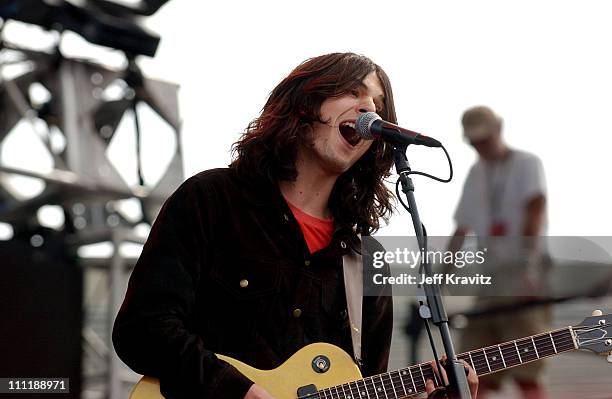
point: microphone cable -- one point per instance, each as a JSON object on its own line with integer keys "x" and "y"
{"x": 416, "y": 172}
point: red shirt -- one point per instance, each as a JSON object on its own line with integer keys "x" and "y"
{"x": 317, "y": 232}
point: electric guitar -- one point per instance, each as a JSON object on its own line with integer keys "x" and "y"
{"x": 324, "y": 371}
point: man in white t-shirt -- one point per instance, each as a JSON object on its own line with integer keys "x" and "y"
{"x": 503, "y": 201}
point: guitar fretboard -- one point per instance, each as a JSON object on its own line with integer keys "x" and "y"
{"x": 411, "y": 380}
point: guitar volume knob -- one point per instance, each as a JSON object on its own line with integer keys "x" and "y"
{"x": 320, "y": 364}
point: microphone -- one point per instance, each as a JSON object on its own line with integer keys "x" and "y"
{"x": 370, "y": 126}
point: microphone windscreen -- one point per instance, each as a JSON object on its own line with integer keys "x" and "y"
{"x": 363, "y": 123}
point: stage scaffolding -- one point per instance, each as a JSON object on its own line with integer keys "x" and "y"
{"x": 84, "y": 182}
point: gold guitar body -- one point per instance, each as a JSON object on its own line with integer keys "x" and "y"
{"x": 283, "y": 381}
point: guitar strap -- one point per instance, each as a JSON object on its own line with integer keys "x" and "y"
{"x": 353, "y": 285}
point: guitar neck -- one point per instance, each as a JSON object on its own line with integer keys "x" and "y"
{"x": 411, "y": 380}
{"x": 525, "y": 350}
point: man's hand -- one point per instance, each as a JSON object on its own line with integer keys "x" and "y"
{"x": 257, "y": 392}
{"x": 472, "y": 379}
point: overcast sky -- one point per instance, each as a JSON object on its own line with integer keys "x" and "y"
{"x": 543, "y": 66}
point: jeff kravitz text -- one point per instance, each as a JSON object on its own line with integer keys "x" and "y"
{"x": 439, "y": 278}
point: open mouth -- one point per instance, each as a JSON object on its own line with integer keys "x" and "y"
{"x": 347, "y": 130}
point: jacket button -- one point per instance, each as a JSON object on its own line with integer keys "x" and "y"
{"x": 244, "y": 283}
{"x": 285, "y": 217}
{"x": 306, "y": 262}
{"x": 297, "y": 313}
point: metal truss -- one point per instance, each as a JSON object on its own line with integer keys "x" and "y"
{"x": 84, "y": 182}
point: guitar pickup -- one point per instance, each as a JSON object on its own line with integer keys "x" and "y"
{"x": 307, "y": 390}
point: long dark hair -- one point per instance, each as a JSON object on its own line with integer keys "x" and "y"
{"x": 268, "y": 147}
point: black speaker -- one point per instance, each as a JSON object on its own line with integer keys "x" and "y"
{"x": 40, "y": 307}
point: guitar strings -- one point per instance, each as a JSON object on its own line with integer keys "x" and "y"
{"x": 485, "y": 366}
{"x": 427, "y": 373}
{"x": 392, "y": 385}
{"x": 591, "y": 328}
{"x": 387, "y": 386}
{"x": 560, "y": 343}
{"x": 542, "y": 342}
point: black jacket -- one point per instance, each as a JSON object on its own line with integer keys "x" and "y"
{"x": 226, "y": 270}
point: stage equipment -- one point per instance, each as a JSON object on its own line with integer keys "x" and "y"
{"x": 87, "y": 104}
{"x": 41, "y": 310}
{"x": 100, "y": 22}
{"x": 430, "y": 298}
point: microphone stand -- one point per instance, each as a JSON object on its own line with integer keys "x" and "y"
{"x": 458, "y": 385}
